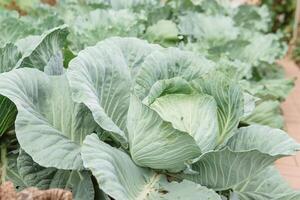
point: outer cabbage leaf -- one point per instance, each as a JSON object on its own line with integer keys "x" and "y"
{"x": 258, "y": 137}
{"x": 266, "y": 185}
{"x": 120, "y": 178}
{"x": 248, "y": 153}
{"x": 34, "y": 175}
{"x": 266, "y": 113}
{"x": 38, "y": 50}
{"x": 100, "y": 77}
{"x": 155, "y": 143}
{"x": 55, "y": 66}
{"x": 229, "y": 98}
{"x": 48, "y": 120}
{"x": 194, "y": 114}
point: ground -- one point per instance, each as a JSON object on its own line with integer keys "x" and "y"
{"x": 290, "y": 166}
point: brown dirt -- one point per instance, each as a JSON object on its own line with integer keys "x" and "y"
{"x": 8, "y": 192}
{"x": 50, "y": 2}
{"x": 14, "y": 6}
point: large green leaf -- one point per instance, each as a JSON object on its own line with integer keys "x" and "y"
{"x": 155, "y": 143}
{"x": 248, "y": 153}
{"x": 55, "y": 66}
{"x": 194, "y": 114}
{"x": 120, "y": 178}
{"x": 167, "y": 64}
{"x": 100, "y": 77}
{"x": 229, "y": 98}
{"x": 35, "y": 175}
{"x": 38, "y": 50}
{"x": 266, "y": 185}
{"x": 258, "y": 137}
{"x": 48, "y": 120}
{"x": 223, "y": 169}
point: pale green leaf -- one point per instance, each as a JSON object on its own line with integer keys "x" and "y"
{"x": 55, "y": 66}
{"x": 167, "y": 86}
{"x": 42, "y": 48}
{"x": 155, "y": 143}
{"x": 167, "y": 64}
{"x": 266, "y": 113}
{"x": 266, "y": 185}
{"x": 257, "y": 137}
{"x": 247, "y": 153}
{"x": 100, "y": 77}
{"x": 48, "y": 120}
{"x": 229, "y": 98}
{"x": 221, "y": 170}
{"x": 120, "y": 178}
{"x": 249, "y": 104}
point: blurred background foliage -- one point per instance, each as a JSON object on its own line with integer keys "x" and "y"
{"x": 282, "y": 14}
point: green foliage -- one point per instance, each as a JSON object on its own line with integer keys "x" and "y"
{"x": 282, "y": 15}
{"x": 89, "y": 103}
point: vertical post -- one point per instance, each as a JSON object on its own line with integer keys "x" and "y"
{"x": 296, "y": 29}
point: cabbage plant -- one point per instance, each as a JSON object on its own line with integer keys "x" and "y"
{"x": 126, "y": 119}
{"x": 133, "y": 120}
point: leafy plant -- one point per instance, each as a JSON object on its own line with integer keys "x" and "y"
{"x": 98, "y": 110}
